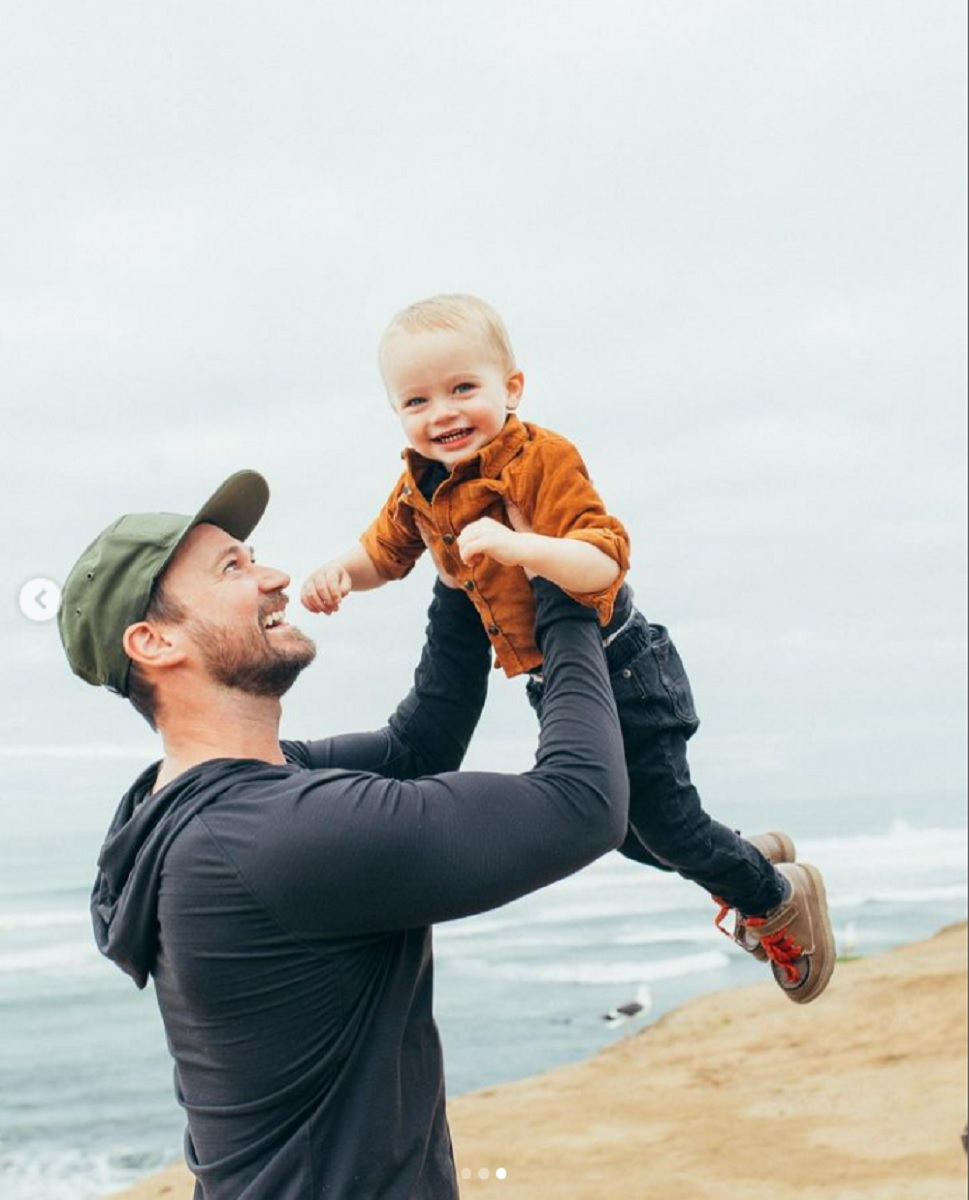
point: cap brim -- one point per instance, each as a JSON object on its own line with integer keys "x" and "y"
{"x": 236, "y": 506}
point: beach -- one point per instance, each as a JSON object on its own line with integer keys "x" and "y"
{"x": 739, "y": 1095}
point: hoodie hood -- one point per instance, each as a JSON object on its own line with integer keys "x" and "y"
{"x": 124, "y": 902}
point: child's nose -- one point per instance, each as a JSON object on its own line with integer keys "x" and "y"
{"x": 444, "y": 409}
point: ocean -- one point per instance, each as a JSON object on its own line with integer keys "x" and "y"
{"x": 87, "y": 1103}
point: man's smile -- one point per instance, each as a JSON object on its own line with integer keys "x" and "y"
{"x": 274, "y": 619}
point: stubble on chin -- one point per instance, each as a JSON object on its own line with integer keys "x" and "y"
{"x": 253, "y": 664}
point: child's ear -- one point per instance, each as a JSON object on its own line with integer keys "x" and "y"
{"x": 514, "y": 386}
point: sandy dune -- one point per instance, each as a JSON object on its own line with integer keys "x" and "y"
{"x": 740, "y": 1096}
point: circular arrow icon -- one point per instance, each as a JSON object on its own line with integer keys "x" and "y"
{"x": 40, "y": 599}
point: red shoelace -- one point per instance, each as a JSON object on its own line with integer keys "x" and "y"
{"x": 779, "y": 947}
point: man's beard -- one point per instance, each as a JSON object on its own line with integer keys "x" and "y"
{"x": 250, "y": 663}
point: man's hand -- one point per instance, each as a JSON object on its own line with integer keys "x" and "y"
{"x": 326, "y": 587}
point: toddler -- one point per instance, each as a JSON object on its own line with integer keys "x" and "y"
{"x": 495, "y": 498}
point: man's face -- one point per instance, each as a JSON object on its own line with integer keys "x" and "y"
{"x": 236, "y": 614}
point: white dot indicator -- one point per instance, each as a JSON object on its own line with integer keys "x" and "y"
{"x": 466, "y": 1173}
{"x": 501, "y": 1173}
{"x": 484, "y": 1173}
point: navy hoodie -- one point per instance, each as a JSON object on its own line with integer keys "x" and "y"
{"x": 284, "y": 913}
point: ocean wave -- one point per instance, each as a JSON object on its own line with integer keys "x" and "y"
{"x": 472, "y": 927}
{"x": 14, "y": 922}
{"x": 31, "y": 1173}
{"x": 644, "y": 905}
{"x": 145, "y": 754}
{"x": 898, "y": 896}
{"x": 658, "y": 937}
{"x": 911, "y": 844}
{"x": 630, "y": 971}
{"x": 73, "y": 956}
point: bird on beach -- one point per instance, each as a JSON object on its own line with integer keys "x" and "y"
{"x": 623, "y": 1013}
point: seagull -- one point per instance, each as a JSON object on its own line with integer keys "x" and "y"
{"x": 632, "y": 1008}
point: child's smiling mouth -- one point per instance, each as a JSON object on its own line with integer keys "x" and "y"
{"x": 453, "y": 436}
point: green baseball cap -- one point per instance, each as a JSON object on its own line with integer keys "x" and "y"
{"x": 109, "y": 587}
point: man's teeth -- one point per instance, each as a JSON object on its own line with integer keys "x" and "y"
{"x": 274, "y": 618}
{"x": 452, "y": 437}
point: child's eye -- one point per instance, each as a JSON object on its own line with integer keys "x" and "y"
{"x": 464, "y": 387}
{"x": 414, "y": 402}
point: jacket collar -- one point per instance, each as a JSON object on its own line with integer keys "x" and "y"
{"x": 486, "y": 463}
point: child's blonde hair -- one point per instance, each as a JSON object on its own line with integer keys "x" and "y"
{"x": 457, "y": 311}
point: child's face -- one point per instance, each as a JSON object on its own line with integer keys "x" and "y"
{"x": 450, "y": 390}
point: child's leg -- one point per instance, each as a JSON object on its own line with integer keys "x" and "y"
{"x": 668, "y": 817}
{"x": 657, "y": 716}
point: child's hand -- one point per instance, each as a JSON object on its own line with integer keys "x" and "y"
{"x": 326, "y": 587}
{"x": 490, "y": 538}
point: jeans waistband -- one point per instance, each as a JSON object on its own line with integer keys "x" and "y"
{"x": 627, "y": 630}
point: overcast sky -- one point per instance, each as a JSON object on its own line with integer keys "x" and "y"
{"x": 728, "y": 239}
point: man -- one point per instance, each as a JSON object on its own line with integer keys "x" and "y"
{"x": 280, "y": 894}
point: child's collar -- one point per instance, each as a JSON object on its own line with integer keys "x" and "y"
{"x": 490, "y": 460}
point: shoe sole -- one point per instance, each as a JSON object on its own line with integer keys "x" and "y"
{"x": 824, "y": 939}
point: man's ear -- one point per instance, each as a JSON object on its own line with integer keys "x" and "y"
{"x": 514, "y": 386}
{"x": 147, "y": 645}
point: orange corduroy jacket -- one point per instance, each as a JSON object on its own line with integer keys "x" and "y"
{"x": 545, "y": 476}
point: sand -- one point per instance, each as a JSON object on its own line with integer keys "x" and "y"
{"x": 740, "y": 1096}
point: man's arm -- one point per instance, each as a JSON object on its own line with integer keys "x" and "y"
{"x": 357, "y": 854}
{"x": 432, "y": 727}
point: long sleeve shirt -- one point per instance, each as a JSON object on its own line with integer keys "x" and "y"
{"x": 284, "y": 913}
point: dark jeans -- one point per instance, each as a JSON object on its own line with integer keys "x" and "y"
{"x": 668, "y": 827}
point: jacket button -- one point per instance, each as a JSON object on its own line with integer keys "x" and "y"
{"x": 493, "y": 630}
{"x": 407, "y": 489}
{"x": 626, "y": 673}
{"x": 448, "y": 539}
{"x": 469, "y": 586}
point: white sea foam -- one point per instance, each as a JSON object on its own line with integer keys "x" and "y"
{"x": 642, "y": 905}
{"x": 631, "y": 971}
{"x": 73, "y": 956}
{"x": 474, "y": 927}
{"x": 899, "y": 843}
{"x": 145, "y": 753}
{"x": 898, "y": 897}
{"x": 13, "y": 922}
{"x": 58, "y": 1174}
{"x": 657, "y": 937}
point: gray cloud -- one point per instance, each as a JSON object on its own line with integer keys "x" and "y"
{"x": 728, "y": 241}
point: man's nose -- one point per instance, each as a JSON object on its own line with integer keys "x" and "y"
{"x": 272, "y": 580}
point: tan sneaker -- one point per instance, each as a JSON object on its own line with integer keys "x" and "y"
{"x": 776, "y": 848}
{"x": 797, "y": 935}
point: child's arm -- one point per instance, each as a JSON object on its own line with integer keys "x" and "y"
{"x": 574, "y": 565}
{"x": 353, "y": 571}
